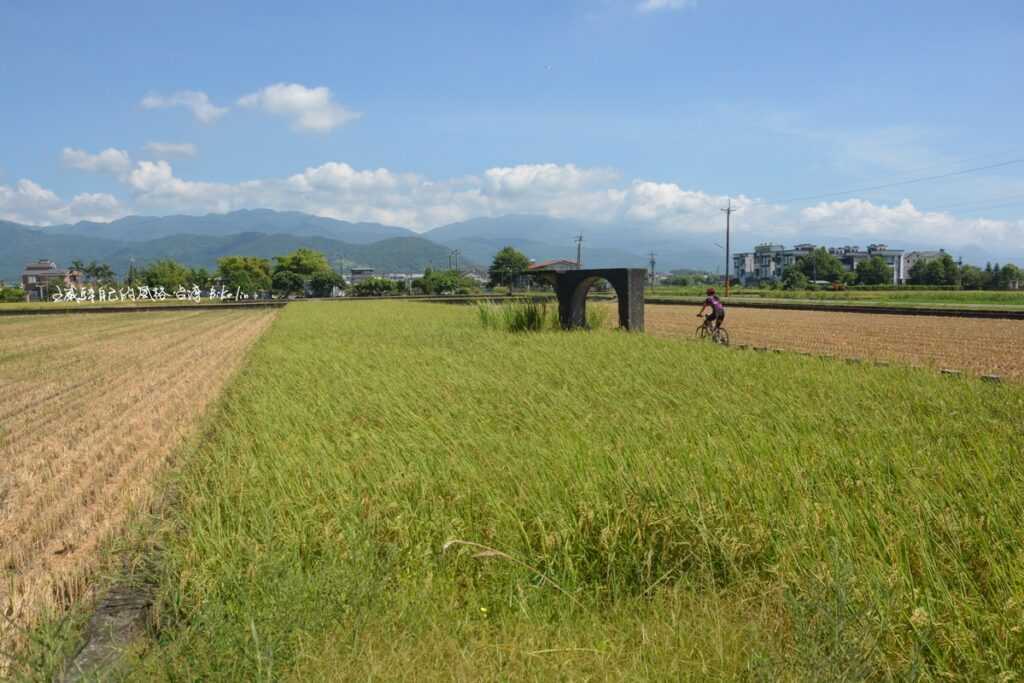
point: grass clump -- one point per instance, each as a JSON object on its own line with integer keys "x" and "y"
{"x": 413, "y": 498}
{"x": 518, "y": 316}
{"x": 532, "y": 316}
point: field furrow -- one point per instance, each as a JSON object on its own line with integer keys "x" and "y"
{"x": 91, "y": 407}
{"x": 976, "y": 346}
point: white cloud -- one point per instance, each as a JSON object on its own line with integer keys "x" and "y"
{"x": 30, "y": 203}
{"x": 905, "y": 222}
{"x": 172, "y": 149}
{"x": 198, "y": 102}
{"x": 108, "y": 161}
{"x": 310, "y": 109}
{"x": 338, "y": 190}
{"x": 595, "y": 195}
{"x": 655, "y": 5}
{"x": 544, "y": 178}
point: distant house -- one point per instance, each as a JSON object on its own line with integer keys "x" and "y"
{"x": 914, "y": 257}
{"x": 357, "y": 275}
{"x": 40, "y": 276}
{"x": 558, "y": 265}
{"x": 769, "y": 262}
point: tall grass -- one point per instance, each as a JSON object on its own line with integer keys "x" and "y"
{"x": 533, "y": 316}
{"x": 414, "y": 498}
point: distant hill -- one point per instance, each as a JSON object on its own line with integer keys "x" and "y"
{"x": 398, "y": 254}
{"x": 483, "y": 249}
{"x": 20, "y": 244}
{"x": 537, "y": 229}
{"x": 23, "y": 244}
{"x": 604, "y": 244}
{"x": 144, "y": 228}
{"x": 200, "y": 240}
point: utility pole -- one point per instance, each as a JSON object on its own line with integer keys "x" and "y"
{"x": 728, "y": 214}
{"x": 579, "y": 250}
{"x": 652, "y": 270}
{"x": 458, "y": 253}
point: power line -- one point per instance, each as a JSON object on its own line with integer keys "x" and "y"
{"x": 884, "y": 186}
{"x": 981, "y": 203}
{"x": 942, "y": 164}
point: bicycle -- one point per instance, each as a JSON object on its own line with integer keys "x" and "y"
{"x": 708, "y": 330}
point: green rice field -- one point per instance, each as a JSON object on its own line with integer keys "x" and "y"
{"x": 391, "y": 492}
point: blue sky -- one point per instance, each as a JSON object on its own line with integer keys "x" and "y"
{"x": 636, "y": 111}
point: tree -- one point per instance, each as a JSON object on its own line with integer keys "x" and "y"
{"x": 166, "y": 273}
{"x": 249, "y": 274}
{"x": 11, "y": 295}
{"x": 941, "y": 271}
{"x": 820, "y": 265}
{"x": 101, "y": 272}
{"x": 972, "y": 277}
{"x": 305, "y": 262}
{"x": 794, "y": 278}
{"x": 374, "y": 286}
{"x": 442, "y": 282}
{"x": 324, "y": 282}
{"x": 1005, "y": 277}
{"x": 201, "y": 277}
{"x": 286, "y": 282}
{"x": 301, "y": 266}
{"x": 508, "y": 264}
{"x": 874, "y": 271}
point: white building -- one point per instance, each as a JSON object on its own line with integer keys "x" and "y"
{"x": 768, "y": 262}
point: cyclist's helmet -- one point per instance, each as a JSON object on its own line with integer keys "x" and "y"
{"x": 711, "y": 291}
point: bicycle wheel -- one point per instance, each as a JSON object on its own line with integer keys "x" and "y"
{"x": 722, "y": 336}
{"x": 702, "y": 332}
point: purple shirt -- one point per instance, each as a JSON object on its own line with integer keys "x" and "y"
{"x": 714, "y": 303}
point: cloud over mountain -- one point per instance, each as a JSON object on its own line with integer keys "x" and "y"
{"x": 596, "y": 195}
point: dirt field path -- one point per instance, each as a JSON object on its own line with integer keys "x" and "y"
{"x": 981, "y": 347}
{"x": 90, "y": 409}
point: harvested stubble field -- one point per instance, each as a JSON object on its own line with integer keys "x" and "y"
{"x": 977, "y": 346}
{"x": 90, "y": 409}
{"x": 817, "y": 521}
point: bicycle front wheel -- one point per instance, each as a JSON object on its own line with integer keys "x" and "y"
{"x": 702, "y": 332}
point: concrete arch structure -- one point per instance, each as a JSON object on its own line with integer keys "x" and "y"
{"x": 571, "y": 287}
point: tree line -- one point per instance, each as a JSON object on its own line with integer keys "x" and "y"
{"x": 304, "y": 272}
{"x": 943, "y": 271}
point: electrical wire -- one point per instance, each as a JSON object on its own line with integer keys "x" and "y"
{"x": 884, "y": 186}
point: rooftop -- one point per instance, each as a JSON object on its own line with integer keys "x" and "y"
{"x": 550, "y": 263}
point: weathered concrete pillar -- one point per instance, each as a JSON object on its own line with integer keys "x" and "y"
{"x": 571, "y": 288}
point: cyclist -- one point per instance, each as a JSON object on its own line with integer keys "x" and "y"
{"x": 716, "y": 307}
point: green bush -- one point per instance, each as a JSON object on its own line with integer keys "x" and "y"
{"x": 11, "y": 295}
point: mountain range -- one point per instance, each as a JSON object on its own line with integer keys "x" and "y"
{"x": 406, "y": 252}
{"x": 201, "y": 240}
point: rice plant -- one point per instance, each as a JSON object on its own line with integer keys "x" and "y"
{"x": 414, "y": 498}
{"x": 533, "y": 316}
{"x": 518, "y": 316}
